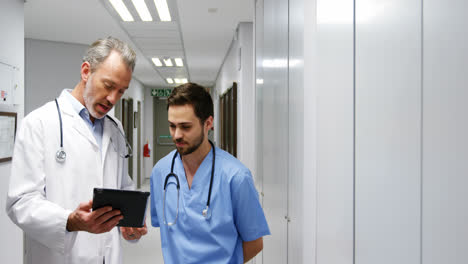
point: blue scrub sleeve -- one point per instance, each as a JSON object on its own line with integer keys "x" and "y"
{"x": 248, "y": 213}
{"x": 154, "y": 195}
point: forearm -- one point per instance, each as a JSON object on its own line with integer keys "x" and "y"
{"x": 252, "y": 248}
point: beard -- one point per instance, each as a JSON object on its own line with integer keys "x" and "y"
{"x": 191, "y": 148}
{"x": 89, "y": 98}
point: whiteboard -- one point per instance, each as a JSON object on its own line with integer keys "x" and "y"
{"x": 7, "y": 83}
{"x": 7, "y": 135}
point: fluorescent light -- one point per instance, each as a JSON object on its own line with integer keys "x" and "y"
{"x": 142, "y": 10}
{"x": 168, "y": 62}
{"x": 177, "y": 80}
{"x": 157, "y": 62}
{"x": 179, "y": 62}
{"x": 184, "y": 80}
{"x": 163, "y": 10}
{"x": 259, "y": 81}
{"x": 120, "y": 7}
{"x": 169, "y": 80}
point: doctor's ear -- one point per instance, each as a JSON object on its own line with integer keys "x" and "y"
{"x": 209, "y": 123}
{"x": 85, "y": 71}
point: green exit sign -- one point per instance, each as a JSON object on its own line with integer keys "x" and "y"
{"x": 161, "y": 92}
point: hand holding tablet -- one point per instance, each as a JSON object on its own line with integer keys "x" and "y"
{"x": 132, "y": 204}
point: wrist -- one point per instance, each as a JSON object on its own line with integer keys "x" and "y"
{"x": 70, "y": 225}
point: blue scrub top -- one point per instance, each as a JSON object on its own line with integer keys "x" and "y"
{"x": 235, "y": 211}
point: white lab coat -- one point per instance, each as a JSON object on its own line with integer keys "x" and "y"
{"x": 43, "y": 192}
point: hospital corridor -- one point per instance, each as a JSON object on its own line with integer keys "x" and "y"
{"x": 330, "y": 131}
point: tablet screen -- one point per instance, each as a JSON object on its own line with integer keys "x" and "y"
{"x": 132, "y": 204}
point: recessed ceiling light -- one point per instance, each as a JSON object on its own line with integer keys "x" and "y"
{"x": 142, "y": 10}
{"x": 163, "y": 10}
{"x": 169, "y": 80}
{"x": 184, "y": 80}
{"x": 157, "y": 62}
{"x": 259, "y": 81}
{"x": 177, "y": 80}
{"x": 179, "y": 62}
{"x": 120, "y": 7}
{"x": 168, "y": 62}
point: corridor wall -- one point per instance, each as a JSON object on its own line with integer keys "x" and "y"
{"x": 381, "y": 178}
{"x": 11, "y": 54}
{"x": 238, "y": 67}
{"x": 444, "y": 132}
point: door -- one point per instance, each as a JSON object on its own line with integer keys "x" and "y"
{"x": 162, "y": 140}
{"x": 138, "y": 127}
{"x": 127, "y": 123}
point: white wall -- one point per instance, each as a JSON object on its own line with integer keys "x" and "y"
{"x": 272, "y": 117}
{"x": 148, "y": 133}
{"x": 50, "y": 68}
{"x": 388, "y": 131}
{"x": 238, "y": 66}
{"x": 12, "y": 53}
{"x": 334, "y": 91}
{"x": 310, "y": 140}
{"x": 54, "y": 66}
{"x": 383, "y": 131}
{"x": 445, "y": 131}
{"x": 296, "y": 133}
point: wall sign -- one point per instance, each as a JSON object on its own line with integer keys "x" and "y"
{"x": 161, "y": 92}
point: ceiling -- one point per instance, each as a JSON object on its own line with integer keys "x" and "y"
{"x": 200, "y": 32}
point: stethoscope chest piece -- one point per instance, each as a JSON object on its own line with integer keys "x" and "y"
{"x": 61, "y": 155}
{"x": 206, "y": 213}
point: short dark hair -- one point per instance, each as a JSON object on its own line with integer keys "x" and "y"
{"x": 195, "y": 95}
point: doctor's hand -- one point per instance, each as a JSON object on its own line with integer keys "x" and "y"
{"x": 98, "y": 221}
{"x": 132, "y": 233}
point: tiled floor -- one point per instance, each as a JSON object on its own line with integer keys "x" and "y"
{"x": 148, "y": 249}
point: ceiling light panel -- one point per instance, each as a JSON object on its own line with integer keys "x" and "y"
{"x": 163, "y": 10}
{"x": 157, "y": 62}
{"x": 179, "y": 62}
{"x": 142, "y": 10}
{"x": 168, "y": 62}
{"x": 169, "y": 80}
{"x": 122, "y": 10}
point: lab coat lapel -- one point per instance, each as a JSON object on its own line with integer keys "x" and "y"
{"x": 107, "y": 134}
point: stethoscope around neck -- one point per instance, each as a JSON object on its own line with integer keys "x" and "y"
{"x": 61, "y": 155}
{"x": 206, "y": 212}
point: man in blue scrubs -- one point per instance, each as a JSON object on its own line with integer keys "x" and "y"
{"x": 231, "y": 229}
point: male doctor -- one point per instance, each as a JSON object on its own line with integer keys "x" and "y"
{"x": 202, "y": 198}
{"x": 50, "y": 195}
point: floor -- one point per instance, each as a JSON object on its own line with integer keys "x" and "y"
{"x": 148, "y": 249}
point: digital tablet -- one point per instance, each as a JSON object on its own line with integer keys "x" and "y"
{"x": 132, "y": 204}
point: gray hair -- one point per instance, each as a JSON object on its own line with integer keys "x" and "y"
{"x": 101, "y": 49}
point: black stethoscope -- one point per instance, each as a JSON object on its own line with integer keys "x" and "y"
{"x": 172, "y": 174}
{"x": 61, "y": 155}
